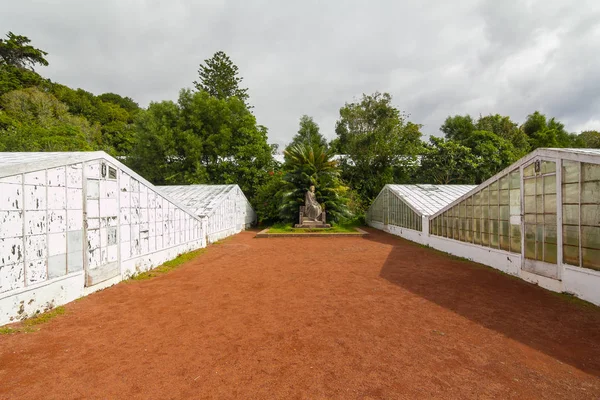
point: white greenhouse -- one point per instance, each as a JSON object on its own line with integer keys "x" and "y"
{"x": 225, "y": 208}
{"x": 73, "y": 223}
{"x": 404, "y": 209}
{"x": 538, "y": 219}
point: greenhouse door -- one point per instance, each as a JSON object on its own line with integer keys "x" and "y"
{"x": 540, "y": 223}
{"x": 101, "y": 224}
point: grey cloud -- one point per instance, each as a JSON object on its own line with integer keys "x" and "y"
{"x": 434, "y": 57}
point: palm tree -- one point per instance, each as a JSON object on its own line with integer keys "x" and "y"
{"x": 312, "y": 164}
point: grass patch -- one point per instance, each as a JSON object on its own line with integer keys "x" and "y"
{"x": 168, "y": 266}
{"x": 571, "y": 298}
{"x": 44, "y": 317}
{"x": 288, "y": 228}
{"x": 7, "y": 331}
{"x": 28, "y": 325}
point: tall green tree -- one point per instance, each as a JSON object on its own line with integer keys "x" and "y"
{"x": 458, "y": 127}
{"x": 543, "y": 132}
{"x": 219, "y": 77}
{"x": 312, "y": 164}
{"x": 15, "y": 50}
{"x": 376, "y": 142}
{"x": 492, "y": 154}
{"x": 308, "y": 133}
{"x": 505, "y": 128}
{"x": 202, "y": 139}
{"x": 447, "y": 162}
{"x": 115, "y": 116}
{"x": 589, "y": 139}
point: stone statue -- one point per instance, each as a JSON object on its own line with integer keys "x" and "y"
{"x": 311, "y": 213}
{"x": 312, "y": 209}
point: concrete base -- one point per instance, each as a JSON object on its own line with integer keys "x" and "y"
{"x": 307, "y": 225}
{"x": 265, "y": 234}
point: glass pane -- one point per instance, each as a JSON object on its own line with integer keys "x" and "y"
{"x": 494, "y": 240}
{"x": 591, "y": 258}
{"x": 548, "y": 166}
{"x": 590, "y": 214}
{"x": 484, "y": 197}
{"x": 590, "y": 192}
{"x": 515, "y": 238}
{"x": 515, "y": 180}
{"x": 570, "y": 214}
{"x": 529, "y": 170}
{"x": 550, "y": 234}
{"x": 494, "y": 185}
{"x": 530, "y": 218}
{"x": 477, "y": 231}
{"x": 485, "y": 236}
{"x": 504, "y": 197}
{"x": 505, "y": 243}
{"x": 570, "y": 193}
{"x": 529, "y": 185}
{"x": 590, "y": 172}
{"x": 550, "y": 184}
{"x": 504, "y": 228}
{"x": 493, "y": 197}
{"x": 504, "y": 182}
{"x": 504, "y": 213}
{"x": 529, "y": 204}
{"x": 570, "y": 171}
{"x": 494, "y": 234}
{"x": 530, "y": 241}
{"x": 571, "y": 235}
{"x": 539, "y": 203}
{"x": 515, "y": 198}
{"x": 539, "y": 235}
{"x": 539, "y": 185}
{"x": 590, "y": 237}
{"x": 493, "y": 212}
{"x": 571, "y": 255}
{"x": 550, "y": 219}
{"x": 550, "y": 253}
{"x": 550, "y": 203}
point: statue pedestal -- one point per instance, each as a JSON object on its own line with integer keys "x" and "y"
{"x": 311, "y": 223}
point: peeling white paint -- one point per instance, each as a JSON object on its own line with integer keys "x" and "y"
{"x": 128, "y": 227}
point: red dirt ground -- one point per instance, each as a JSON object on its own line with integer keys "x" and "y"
{"x": 370, "y": 318}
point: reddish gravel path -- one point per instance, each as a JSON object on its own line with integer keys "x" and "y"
{"x": 312, "y": 318}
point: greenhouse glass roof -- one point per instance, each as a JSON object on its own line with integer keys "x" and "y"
{"x": 428, "y": 199}
{"x": 202, "y": 199}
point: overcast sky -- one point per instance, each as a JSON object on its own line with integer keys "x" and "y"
{"x": 436, "y": 58}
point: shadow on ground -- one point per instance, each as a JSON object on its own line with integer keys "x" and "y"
{"x": 565, "y": 329}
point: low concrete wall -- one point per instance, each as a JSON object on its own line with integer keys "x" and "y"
{"x": 25, "y": 302}
{"x": 583, "y": 283}
{"x": 22, "y": 303}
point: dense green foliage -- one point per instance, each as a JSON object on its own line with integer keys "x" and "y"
{"x": 311, "y": 164}
{"x": 39, "y": 115}
{"x": 209, "y": 135}
{"x": 378, "y": 144}
{"x": 308, "y": 133}
{"x": 16, "y": 51}
{"x": 201, "y": 139}
{"x": 219, "y": 78}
